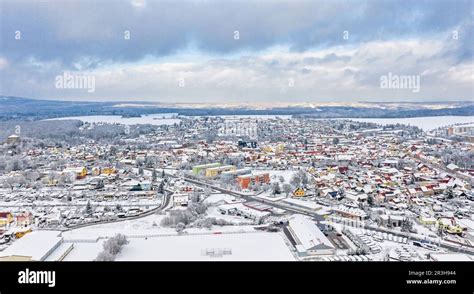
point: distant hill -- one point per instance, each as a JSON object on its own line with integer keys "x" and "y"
{"x": 31, "y": 109}
{"x": 18, "y": 108}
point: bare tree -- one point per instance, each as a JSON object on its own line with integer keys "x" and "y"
{"x": 112, "y": 247}
{"x": 287, "y": 189}
{"x": 105, "y": 256}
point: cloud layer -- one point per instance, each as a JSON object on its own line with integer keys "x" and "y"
{"x": 285, "y": 51}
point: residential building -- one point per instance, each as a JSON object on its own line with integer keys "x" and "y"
{"x": 6, "y": 218}
{"x": 245, "y": 180}
{"x": 215, "y": 171}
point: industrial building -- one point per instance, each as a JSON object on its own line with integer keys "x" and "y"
{"x": 349, "y": 212}
{"x": 35, "y": 246}
{"x": 215, "y": 171}
{"x": 308, "y": 237}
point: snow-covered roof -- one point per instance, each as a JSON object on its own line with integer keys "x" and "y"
{"x": 350, "y": 210}
{"x": 450, "y": 257}
{"x": 452, "y": 166}
{"x": 308, "y": 234}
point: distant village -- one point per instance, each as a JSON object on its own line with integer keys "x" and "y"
{"x": 328, "y": 189}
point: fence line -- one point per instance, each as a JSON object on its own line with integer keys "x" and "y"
{"x": 159, "y": 235}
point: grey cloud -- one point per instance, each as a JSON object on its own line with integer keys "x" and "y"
{"x": 73, "y": 31}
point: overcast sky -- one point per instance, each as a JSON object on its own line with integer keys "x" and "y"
{"x": 237, "y": 51}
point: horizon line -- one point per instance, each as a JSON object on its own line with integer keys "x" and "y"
{"x": 241, "y": 103}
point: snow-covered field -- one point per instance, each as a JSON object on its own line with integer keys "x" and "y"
{"x": 240, "y": 243}
{"x": 152, "y": 119}
{"x": 147, "y": 231}
{"x": 84, "y": 251}
{"x": 259, "y": 246}
{"x": 141, "y": 226}
{"x": 425, "y": 123}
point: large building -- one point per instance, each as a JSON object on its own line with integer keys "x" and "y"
{"x": 245, "y": 180}
{"x": 80, "y": 172}
{"x": 308, "y": 237}
{"x": 35, "y": 246}
{"x": 215, "y": 171}
{"x": 462, "y": 129}
{"x": 198, "y": 168}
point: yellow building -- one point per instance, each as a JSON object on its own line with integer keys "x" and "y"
{"x": 80, "y": 172}
{"x": 427, "y": 221}
{"x": 267, "y": 149}
{"x": 214, "y": 171}
{"x": 6, "y": 218}
{"x": 198, "y": 168}
{"x": 15, "y": 258}
{"x": 102, "y": 171}
{"x": 108, "y": 170}
{"x": 50, "y": 181}
{"x": 299, "y": 192}
{"x": 280, "y": 148}
{"x": 449, "y": 226}
{"x": 22, "y": 232}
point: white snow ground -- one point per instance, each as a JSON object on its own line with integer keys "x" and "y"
{"x": 260, "y": 246}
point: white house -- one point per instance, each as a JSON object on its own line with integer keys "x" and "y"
{"x": 180, "y": 200}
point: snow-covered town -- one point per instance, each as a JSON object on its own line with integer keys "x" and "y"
{"x": 237, "y": 188}
{"x": 197, "y": 145}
